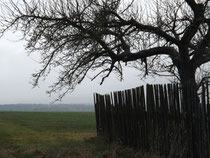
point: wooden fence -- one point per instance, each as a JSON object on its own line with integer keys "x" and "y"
{"x": 152, "y": 119}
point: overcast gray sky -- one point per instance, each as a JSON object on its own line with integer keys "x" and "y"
{"x": 16, "y": 68}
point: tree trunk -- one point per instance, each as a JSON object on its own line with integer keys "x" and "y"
{"x": 195, "y": 146}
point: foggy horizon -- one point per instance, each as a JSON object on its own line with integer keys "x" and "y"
{"x": 16, "y": 68}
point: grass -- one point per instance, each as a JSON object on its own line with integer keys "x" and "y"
{"x": 55, "y": 135}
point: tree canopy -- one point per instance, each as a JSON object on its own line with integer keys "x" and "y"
{"x": 80, "y": 36}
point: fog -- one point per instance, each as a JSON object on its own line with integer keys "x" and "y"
{"x": 16, "y": 68}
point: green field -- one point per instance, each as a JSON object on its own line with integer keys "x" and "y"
{"x": 29, "y": 134}
{"x": 54, "y": 135}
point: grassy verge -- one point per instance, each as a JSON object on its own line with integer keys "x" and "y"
{"x": 55, "y": 135}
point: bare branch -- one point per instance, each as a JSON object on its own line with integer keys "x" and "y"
{"x": 88, "y": 35}
{"x": 148, "y": 53}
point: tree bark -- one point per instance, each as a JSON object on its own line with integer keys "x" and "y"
{"x": 195, "y": 146}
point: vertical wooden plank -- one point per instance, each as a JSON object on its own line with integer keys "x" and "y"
{"x": 117, "y": 116}
{"x": 96, "y": 105}
{"x": 135, "y": 117}
{"x": 130, "y": 118}
{"x": 113, "y": 115}
{"x": 167, "y": 113}
{"x": 108, "y": 117}
{"x": 144, "y": 123}
{"x": 128, "y": 112}
{"x": 204, "y": 105}
{"x": 162, "y": 118}
{"x": 140, "y": 120}
{"x": 150, "y": 115}
{"x": 103, "y": 115}
{"x": 158, "y": 117}
{"x": 207, "y": 92}
{"x": 121, "y": 117}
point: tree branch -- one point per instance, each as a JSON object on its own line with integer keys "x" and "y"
{"x": 155, "y": 30}
{"x": 148, "y": 28}
{"x": 198, "y": 10}
{"x": 192, "y": 4}
{"x": 201, "y": 50}
{"x": 150, "y": 52}
{"x": 204, "y": 58}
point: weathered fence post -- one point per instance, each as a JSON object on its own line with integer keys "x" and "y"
{"x": 160, "y": 121}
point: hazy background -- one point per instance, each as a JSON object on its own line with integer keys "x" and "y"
{"x": 16, "y": 68}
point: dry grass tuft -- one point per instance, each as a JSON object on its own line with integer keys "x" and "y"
{"x": 73, "y": 153}
{"x": 125, "y": 152}
{"x": 146, "y": 155}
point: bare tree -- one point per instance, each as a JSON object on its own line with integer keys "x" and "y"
{"x": 83, "y": 35}
{"x": 79, "y": 36}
